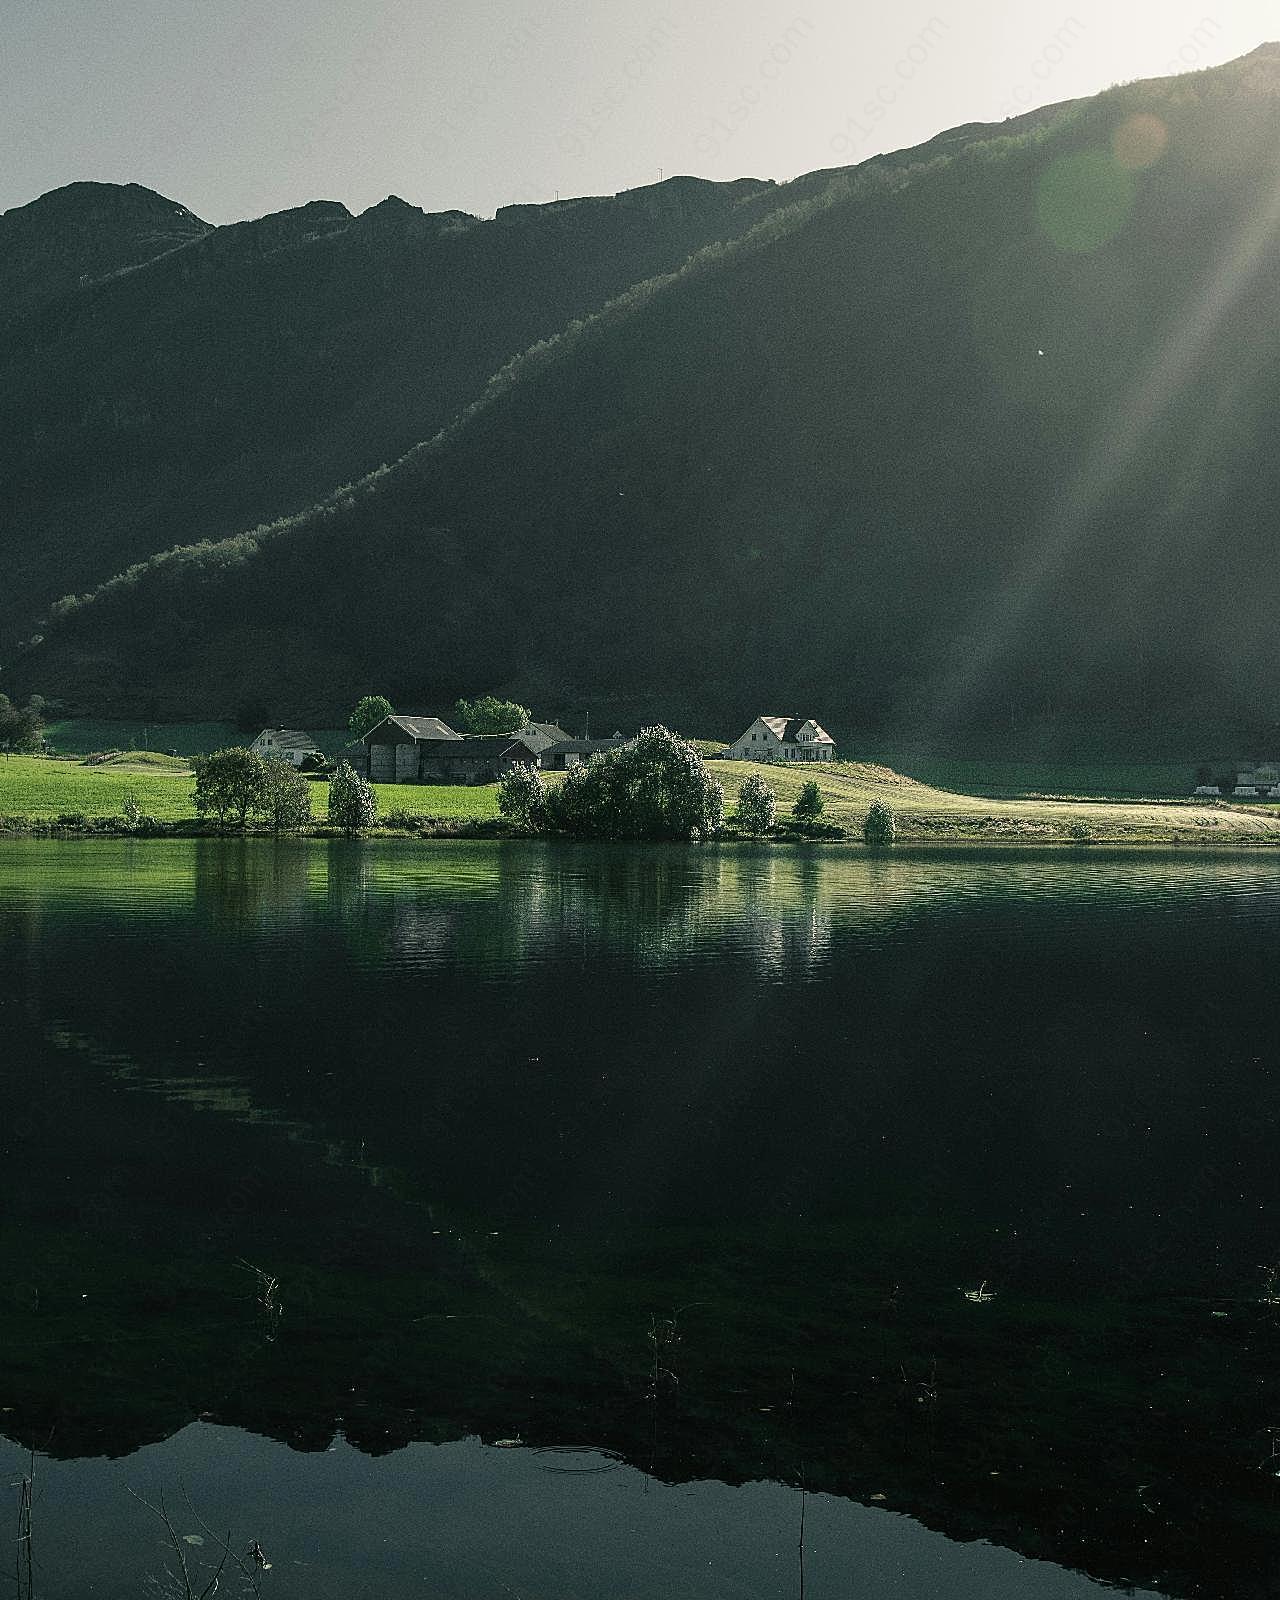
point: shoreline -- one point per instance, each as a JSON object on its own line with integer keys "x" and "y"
{"x": 466, "y": 831}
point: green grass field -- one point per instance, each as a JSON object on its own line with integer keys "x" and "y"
{"x": 925, "y": 813}
{"x": 44, "y": 790}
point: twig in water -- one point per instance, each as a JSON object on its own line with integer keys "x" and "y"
{"x": 802, "y": 1508}
{"x": 24, "y": 1560}
{"x": 183, "y": 1575}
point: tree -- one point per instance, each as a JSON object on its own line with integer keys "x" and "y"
{"x": 230, "y": 783}
{"x": 286, "y": 800}
{"x": 809, "y": 807}
{"x": 21, "y": 729}
{"x": 881, "y": 826}
{"x": 353, "y": 805}
{"x": 488, "y": 715}
{"x": 655, "y": 786}
{"x": 368, "y": 713}
{"x": 757, "y": 805}
{"x": 521, "y": 796}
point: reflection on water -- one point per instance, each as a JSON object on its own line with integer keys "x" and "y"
{"x": 701, "y": 1155}
{"x": 574, "y": 1525}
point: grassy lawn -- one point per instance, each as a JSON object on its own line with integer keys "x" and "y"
{"x": 42, "y": 790}
{"x": 928, "y": 813}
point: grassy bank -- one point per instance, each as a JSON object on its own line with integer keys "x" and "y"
{"x": 925, "y": 813}
{"x": 44, "y": 791}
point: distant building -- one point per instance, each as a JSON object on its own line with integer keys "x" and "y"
{"x": 1262, "y": 781}
{"x": 393, "y": 749}
{"x": 569, "y": 753}
{"x": 427, "y": 750}
{"x": 480, "y": 758}
{"x": 783, "y": 739}
{"x": 540, "y": 735}
{"x": 295, "y": 747}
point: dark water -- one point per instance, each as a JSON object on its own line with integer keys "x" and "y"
{"x": 930, "y": 1199}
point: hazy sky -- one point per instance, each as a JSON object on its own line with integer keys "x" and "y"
{"x": 239, "y": 107}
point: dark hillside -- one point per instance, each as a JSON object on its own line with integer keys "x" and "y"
{"x": 243, "y": 375}
{"x": 972, "y": 443}
{"x": 80, "y": 235}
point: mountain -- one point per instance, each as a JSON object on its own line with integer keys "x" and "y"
{"x": 83, "y": 235}
{"x": 975, "y": 438}
{"x": 162, "y": 381}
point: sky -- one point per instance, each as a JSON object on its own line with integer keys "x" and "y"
{"x": 237, "y": 108}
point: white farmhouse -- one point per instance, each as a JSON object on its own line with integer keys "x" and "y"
{"x": 783, "y": 739}
{"x": 295, "y": 747}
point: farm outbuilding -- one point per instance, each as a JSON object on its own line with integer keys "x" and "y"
{"x": 393, "y": 749}
{"x": 427, "y": 750}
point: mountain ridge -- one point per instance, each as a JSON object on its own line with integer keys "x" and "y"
{"x": 955, "y": 425}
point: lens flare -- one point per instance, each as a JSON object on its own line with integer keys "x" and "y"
{"x": 1139, "y": 142}
{"x": 1084, "y": 200}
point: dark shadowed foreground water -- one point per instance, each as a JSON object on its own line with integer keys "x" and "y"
{"x": 508, "y": 1220}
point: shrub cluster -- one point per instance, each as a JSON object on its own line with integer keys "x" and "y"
{"x": 656, "y": 786}
{"x": 239, "y": 784}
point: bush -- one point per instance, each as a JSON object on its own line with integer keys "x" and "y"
{"x": 313, "y": 762}
{"x": 757, "y": 805}
{"x": 522, "y": 800}
{"x": 353, "y": 805}
{"x": 881, "y": 826}
{"x": 398, "y": 817}
{"x": 655, "y": 786}
{"x": 286, "y": 795}
{"x": 809, "y": 807}
{"x": 230, "y": 783}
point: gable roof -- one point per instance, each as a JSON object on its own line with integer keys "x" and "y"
{"x": 540, "y": 734}
{"x": 788, "y": 728}
{"x": 417, "y": 727}
{"x": 288, "y": 738}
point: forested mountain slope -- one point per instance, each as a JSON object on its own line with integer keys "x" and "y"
{"x": 955, "y": 443}
{"x": 162, "y": 381}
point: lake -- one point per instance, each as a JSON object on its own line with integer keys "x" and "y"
{"x": 508, "y": 1218}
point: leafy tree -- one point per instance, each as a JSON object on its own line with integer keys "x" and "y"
{"x": 489, "y": 715}
{"x": 368, "y": 713}
{"x": 286, "y": 800}
{"x": 881, "y": 826}
{"x": 757, "y": 805}
{"x": 809, "y": 807}
{"x": 21, "y": 729}
{"x": 521, "y": 796}
{"x": 655, "y": 786}
{"x": 230, "y": 783}
{"x": 353, "y": 805}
